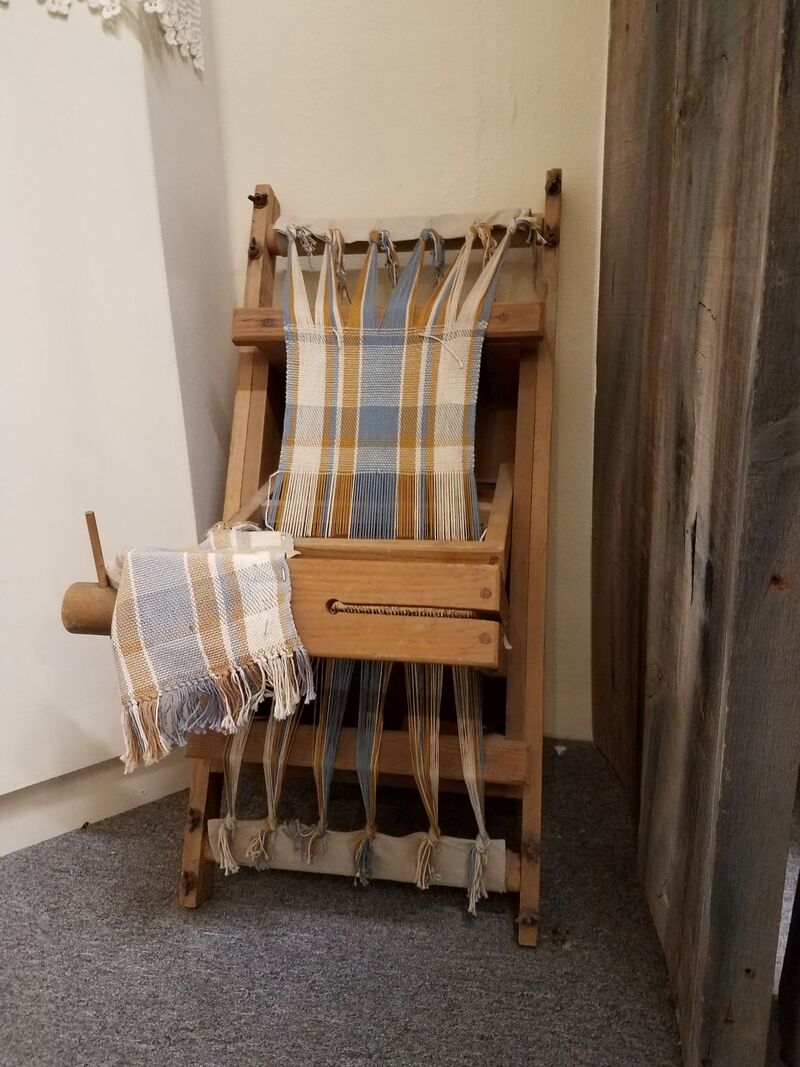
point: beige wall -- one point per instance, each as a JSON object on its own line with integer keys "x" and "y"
{"x": 354, "y": 108}
{"x": 115, "y": 392}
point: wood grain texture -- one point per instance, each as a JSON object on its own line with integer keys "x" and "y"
{"x": 506, "y": 761}
{"x": 263, "y": 327}
{"x": 695, "y": 542}
{"x": 252, "y": 421}
{"x": 525, "y": 705}
{"x": 197, "y": 870}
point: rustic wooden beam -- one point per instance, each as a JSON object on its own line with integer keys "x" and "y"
{"x": 506, "y": 761}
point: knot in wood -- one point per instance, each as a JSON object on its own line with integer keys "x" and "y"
{"x": 528, "y": 917}
{"x": 531, "y": 850}
{"x": 253, "y": 249}
{"x": 188, "y": 883}
{"x": 552, "y": 186}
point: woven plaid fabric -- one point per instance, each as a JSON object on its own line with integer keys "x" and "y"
{"x": 201, "y": 637}
{"x": 380, "y": 410}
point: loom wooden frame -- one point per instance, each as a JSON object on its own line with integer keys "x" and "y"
{"x": 472, "y": 577}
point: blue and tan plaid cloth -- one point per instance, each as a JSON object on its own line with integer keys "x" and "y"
{"x": 201, "y": 637}
{"x": 379, "y": 430}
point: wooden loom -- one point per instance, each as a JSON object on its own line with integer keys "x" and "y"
{"x": 496, "y": 585}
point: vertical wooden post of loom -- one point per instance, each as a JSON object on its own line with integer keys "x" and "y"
{"x": 524, "y": 708}
{"x": 255, "y": 437}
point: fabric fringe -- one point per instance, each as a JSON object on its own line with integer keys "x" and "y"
{"x": 438, "y": 505}
{"x": 424, "y": 691}
{"x": 364, "y": 856}
{"x": 426, "y": 860}
{"x": 308, "y": 837}
{"x": 152, "y": 727}
{"x": 278, "y": 738}
{"x": 259, "y": 849}
{"x": 478, "y": 860}
{"x": 371, "y": 699}
{"x": 467, "y": 693}
{"x": 225, "y": 841}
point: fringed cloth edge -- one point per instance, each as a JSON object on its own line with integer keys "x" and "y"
{"x": 151, "y": 728}
{"x": 202, "y": 637}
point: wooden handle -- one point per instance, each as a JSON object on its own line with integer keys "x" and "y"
{"x": 87, "y": 608}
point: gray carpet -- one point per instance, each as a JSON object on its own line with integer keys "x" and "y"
{"x": 100, "y": 966}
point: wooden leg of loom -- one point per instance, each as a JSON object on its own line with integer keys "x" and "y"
{"x": 528, "y": 920}
{"x": 532, "y": 475}
{"x": 197, "y": 872}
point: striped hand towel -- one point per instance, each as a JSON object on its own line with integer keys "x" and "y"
{"x": 202, "y": 637}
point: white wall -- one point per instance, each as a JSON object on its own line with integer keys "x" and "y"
{"x": 190, "y": 185}
{"x": 111, "y": 212}
{"x": 413, "y": 107}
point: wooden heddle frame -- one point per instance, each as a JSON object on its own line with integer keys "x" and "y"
{"x": 496, "y": 586}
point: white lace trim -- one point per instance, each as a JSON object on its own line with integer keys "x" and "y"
{"x": 179, "y": 19}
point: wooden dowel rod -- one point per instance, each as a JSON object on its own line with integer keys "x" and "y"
{"x": 88, "y": 608}
{"x": 277, "y": 242}
{"x": 97, "y": 550}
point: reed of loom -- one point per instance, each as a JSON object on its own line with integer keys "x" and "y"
{"x": 408, "y": 601}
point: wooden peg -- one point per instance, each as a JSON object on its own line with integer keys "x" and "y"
{"x": 97, "y": 550}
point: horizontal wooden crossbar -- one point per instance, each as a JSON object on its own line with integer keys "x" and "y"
{"x": 324, "y": 589}
{"x": 277, "y": 242}
{"x": 263, "y": 327}
{"x": 506, "y": 761}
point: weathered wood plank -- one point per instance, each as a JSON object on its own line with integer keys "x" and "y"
{"x": 696, "y": 488}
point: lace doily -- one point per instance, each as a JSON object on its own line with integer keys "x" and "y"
{"x": 179, "y": 19}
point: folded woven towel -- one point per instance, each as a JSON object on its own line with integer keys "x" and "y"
{"x": 202, "y": 637}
